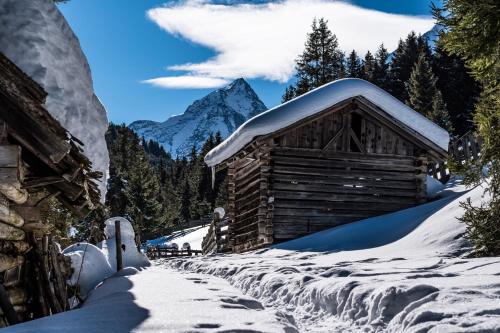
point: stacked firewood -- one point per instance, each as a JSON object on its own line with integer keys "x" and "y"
{"x": 27, "y": 253}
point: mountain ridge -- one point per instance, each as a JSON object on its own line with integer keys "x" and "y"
{"x": 222, "y": 110}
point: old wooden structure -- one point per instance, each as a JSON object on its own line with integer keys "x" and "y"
{"x": 217, "y": 238}
{"x": 347, "y": 160}
{"x": 39, "y": 161}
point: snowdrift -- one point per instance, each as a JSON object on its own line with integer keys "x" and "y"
{"x": 93, "y": 264}
{"x": 401, "y": 272}
{"x": 37, "y": 38}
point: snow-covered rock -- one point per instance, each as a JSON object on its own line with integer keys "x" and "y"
{"x": 318, "y": 100}
{"x": 222, "y": 110}
{"x": 37, "y": 38}
{"x": 131, "y": 256}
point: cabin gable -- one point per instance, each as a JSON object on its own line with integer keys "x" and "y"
{"x": 354, "y": 126}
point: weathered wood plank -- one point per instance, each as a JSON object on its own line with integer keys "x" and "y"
{"x": 359, "y": 181}
{"x": 383, "y": 165}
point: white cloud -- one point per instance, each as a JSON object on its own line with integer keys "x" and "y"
{"x": 263, "y": 40}
{"x": 187, "y": 81}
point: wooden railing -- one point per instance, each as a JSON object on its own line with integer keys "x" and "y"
{"x": 216, "y": 240}
{"x": 156, "y": 252}
{"x": 464, "y": 149}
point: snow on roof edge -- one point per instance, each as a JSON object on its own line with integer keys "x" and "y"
{"x": 318, "y": 100}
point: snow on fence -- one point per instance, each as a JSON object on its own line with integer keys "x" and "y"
{"x": 217, "y": 239}
{"x": 464, "y": 149}
{"x": 159, "y": 251}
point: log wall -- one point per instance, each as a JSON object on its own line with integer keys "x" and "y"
{"x": 312, "y": 193}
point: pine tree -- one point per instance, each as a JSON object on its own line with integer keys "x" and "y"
{"x": 133, "y": 188}
{"x": 185, "y": 208}
{"x": 403, "y": 61}
{"x": 381, "y": 68}
{"x": 320, "y": 63}
{"x": 354, "y": 65}
{"x": 421, "y": 87}
{"x": 290, "y": 93}
{"x": 369, "y": 67}
{"x": 473, "y": 34}
{"x": 460, "y": 91}
{"x": 439, "y": 113}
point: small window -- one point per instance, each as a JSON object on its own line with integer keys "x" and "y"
{"x": 356, "y": 122}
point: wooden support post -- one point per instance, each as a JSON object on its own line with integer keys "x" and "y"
{"x": 7, "y": 307}
{"x": 118, "y": 239}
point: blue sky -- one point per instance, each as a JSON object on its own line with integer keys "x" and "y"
{"x": 191, "y": 43}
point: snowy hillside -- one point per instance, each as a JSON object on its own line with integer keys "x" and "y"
{"x": 37, "y": 38}
{"x": 223, "y": 110}
{"x": 402, "y": 272}
{"x": 193, "y": 236}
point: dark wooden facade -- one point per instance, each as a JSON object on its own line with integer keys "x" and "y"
{"x": 349, "y": 162}
{"x": 39, "y": 160}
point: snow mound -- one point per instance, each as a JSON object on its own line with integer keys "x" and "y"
{"x": 220, "y": 211}
{"x": 434, "y": 187}
{"x": 94, "y": 270}
{"x": 410, "y": 275}
{"x": 318, "y": 100}
{"x": 93, "y": 264}
{"x": 37, "y": 38}
{"x": 131, "y": 256}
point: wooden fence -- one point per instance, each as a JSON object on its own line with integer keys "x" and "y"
{"x": 466, "y": 148}
{"x": 216, "y": 240}
{"x": 156, "y": 252}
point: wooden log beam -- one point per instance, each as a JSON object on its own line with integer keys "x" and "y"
{"x": 7, "y": 308}
{"x": 11, "y": 174}
{"x": 7, "y": 262}
{"x": 14, "y": 247}
{"x": 10, "y": 216}
{"x": 11, "y": 233}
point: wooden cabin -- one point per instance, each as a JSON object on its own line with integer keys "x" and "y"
{"x": 39, "y": 160}
{"x": 343, "y": 152}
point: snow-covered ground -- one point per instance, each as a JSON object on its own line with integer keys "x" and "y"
{"x": 193, "y": 236}
{"x": 163, "y": 300}
{"x": 407, "y": 271}
{"x": 403, "y": 272}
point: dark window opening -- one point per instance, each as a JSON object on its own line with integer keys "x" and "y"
{"x": 356, "y": 122}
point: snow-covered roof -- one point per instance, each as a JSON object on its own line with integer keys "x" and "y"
{"x": 318, "y": 100}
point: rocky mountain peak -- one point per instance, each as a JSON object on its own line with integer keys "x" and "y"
{"x": 222, "y": 110}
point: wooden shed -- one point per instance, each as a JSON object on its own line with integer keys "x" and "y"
{"x": 39, "y": 160}
{"x": 343, "y": 152}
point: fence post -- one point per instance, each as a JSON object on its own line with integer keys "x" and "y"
{"x": 118, "y": 241}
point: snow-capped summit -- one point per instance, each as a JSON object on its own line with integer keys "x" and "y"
{"x": 222, "y": 110}
{"x": 432, "y": 35}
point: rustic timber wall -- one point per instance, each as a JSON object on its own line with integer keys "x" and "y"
{"x": 312, "y": 193}
{"x": 344, "y": 164}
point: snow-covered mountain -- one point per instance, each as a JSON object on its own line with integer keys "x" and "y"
{"x": 223, "y": 110}
{"x": 433, "y": 35}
